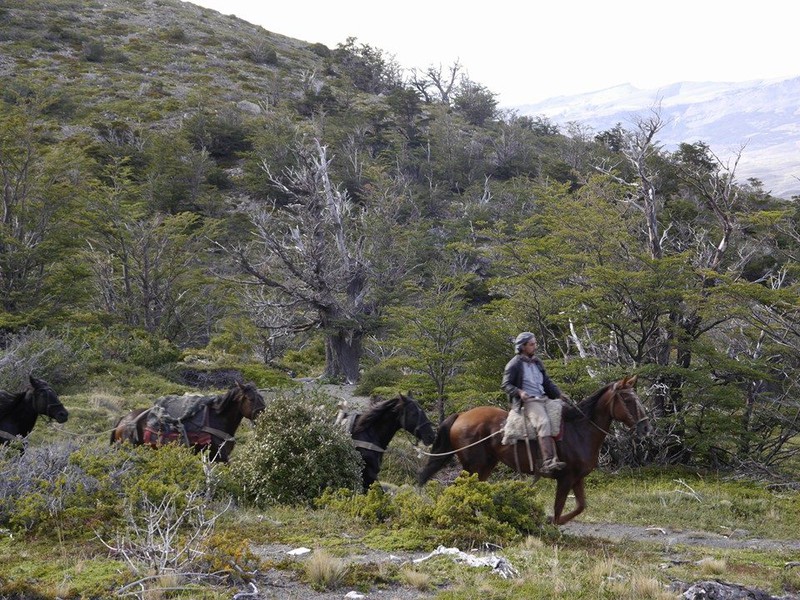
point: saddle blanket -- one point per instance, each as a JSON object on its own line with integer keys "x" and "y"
{"x": 178, "y": 419}
{"x": 519, "y": 425}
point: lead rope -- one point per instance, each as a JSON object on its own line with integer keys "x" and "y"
{"x": 491, "y": 435}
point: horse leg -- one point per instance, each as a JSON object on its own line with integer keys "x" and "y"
{"x": 372, "y": 466}
{"x": 482, "y": 463}
{"x": 562, "y": 490}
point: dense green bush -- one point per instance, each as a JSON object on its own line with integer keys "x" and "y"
{"x": 380, "y": 375}
{"x": 296, "y": 453}
{"x": 467, "y": 512}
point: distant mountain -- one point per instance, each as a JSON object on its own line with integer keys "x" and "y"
{"x": 763, "y": 114}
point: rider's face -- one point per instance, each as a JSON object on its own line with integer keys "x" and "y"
{"x": 529, "y": 347}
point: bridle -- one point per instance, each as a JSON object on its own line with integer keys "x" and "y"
{"x": 421, "y": 422}
{"x": 42, "y": 405}
{"x": 615, "y": 392}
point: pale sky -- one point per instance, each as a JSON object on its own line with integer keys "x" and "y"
{"x": 530, "y": 51}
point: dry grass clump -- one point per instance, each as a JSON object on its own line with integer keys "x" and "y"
{"x": 712, "y": 566}
{"x": 420, "y": 581}
{"x": 325, "y": 571}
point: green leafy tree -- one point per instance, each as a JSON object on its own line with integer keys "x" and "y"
{"x": 433, "y": 335}
{"x": 476, "y": 102}
{"x": 147, "y": 268}
{"x": 39, "y": 186}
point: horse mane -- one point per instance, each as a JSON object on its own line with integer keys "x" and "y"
{"x": 585, "y": 407}
{"x": 220, "y": 402}
{"x": 377, "y": 411}
{"x": 8, "y": 402}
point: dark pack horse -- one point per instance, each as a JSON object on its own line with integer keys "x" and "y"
{"x": 374, "y": 429}
{"x": 474, "y": 437}
{"x": 200, "y": 422}
{"x": 18, "y": 412}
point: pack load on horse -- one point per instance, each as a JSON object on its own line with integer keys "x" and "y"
{"x": 374, "y": 429}
{"x": 199, "y": 422}
{"x": 19, "y": 412}
{"x": 474, "y": 437}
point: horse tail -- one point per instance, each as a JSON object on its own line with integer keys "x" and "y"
{"x": 441, "y": 451}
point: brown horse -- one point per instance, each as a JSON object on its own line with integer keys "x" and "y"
{"x": 200, "y": 422}
{"x": 474, "y": 437}
{"x": 18, "y": 412}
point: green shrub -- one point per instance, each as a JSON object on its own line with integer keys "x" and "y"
{"x": 380, "y": 375}
{"x": 94, "y": 51}
{"x": 261, "y": 53}
{"x": 76, "y": 489}
{"x": 320, "y": 50}
{"x": 296, "y": 452}
{"x": 124, "y": 344}
{"x": 308, "y": 362}
{"x": 467, "y": 512}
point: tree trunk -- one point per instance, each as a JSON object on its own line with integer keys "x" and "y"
{"x": 343, "y": 351}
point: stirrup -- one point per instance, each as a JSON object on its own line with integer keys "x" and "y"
{"x": 552, "y": 465}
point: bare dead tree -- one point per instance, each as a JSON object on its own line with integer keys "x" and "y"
{"x": 437, "y": 79}
{"x": 306, "y": 264}
{"x": 716, "y": 188}
{"x": 641, "y": 145}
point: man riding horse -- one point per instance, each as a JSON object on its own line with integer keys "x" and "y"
{"x": 533, "y": 395}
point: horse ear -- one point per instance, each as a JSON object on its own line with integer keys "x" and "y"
{"x": 34, "y": 382}
{"x": 632, "y": 380}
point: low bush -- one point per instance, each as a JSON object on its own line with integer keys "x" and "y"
{"x": 469, "y": 512}
{"x": 380, "y": 375}
{"x": 295, "y": 453}
{"x": 76, "y": 490}
{"x": 40, "y": 353}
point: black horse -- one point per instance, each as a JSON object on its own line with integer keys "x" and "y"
{"x": 18, "y": 412}
{"x": 373, "y": 430}
{"x": 200, "y": 422}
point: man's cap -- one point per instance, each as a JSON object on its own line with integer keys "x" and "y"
{"x": 522, "y": 339}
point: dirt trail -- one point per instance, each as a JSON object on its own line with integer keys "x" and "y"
{"x": 739, "y": 539}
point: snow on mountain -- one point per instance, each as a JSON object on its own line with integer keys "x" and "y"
{"x": 760, "y": 117}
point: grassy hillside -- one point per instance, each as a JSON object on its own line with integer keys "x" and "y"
{"x": 147, "y": 59}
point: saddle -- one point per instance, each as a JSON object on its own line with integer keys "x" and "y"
{"x": 179, "y": 419}
{"x": 347, "y": 421}
{"x": 520, "y": 427}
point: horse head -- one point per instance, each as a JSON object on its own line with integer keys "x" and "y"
{"x": 45, "y": 401}
{"x": 251, "y": 400}
{"x": 243, "y": 398}
{"x": 414, "y": 420}
{"x": 629, "y": 409}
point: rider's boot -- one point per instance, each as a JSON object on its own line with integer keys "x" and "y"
{"x": 550, "y": 460}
